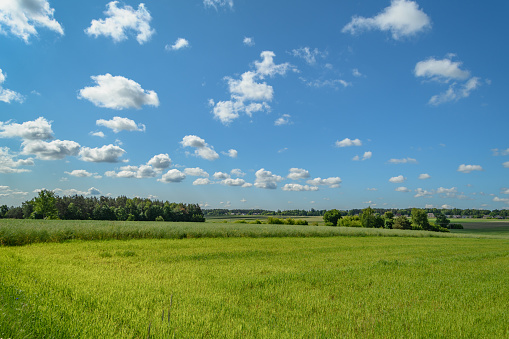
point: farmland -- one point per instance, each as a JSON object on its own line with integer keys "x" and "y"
{"x": 276, "y": 284}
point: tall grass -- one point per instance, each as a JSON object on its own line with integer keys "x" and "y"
{"x": 347, "y": 287}
{"x": 24, "y": 232}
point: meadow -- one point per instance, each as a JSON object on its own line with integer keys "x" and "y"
{"x": 256, "y": 285}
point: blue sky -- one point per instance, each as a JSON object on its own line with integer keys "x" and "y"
{"x": 256, "y": 104}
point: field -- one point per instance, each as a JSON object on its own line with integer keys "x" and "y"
{"x": 268, "y": 286}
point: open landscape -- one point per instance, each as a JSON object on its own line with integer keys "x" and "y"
{"x": 242, "y": 280}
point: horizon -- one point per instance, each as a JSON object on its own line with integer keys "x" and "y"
{"x": 247, "y": 105}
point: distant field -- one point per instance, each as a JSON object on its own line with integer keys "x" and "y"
{"x": 257, "y": 288}
{"x": 23, "y": 232}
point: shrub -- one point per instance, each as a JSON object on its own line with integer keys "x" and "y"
{"x": 240, "y": 222}
{"x": 332, "y": 217}
{"x": 275, "y": 221}
{"x": 455, "y": 226}
{"x": 159, "y": 218}
{"x": 350, "y": 221}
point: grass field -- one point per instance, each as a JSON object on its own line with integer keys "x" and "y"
{"x": 277, "y": 284}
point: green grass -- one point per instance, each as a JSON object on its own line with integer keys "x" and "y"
{"x": 362, "y": 287}
{"x": 22, "y": 232}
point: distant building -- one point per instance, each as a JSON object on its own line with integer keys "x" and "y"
{"x": 431, "y": 215}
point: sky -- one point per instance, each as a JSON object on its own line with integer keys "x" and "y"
{"x": 257, "y": 104}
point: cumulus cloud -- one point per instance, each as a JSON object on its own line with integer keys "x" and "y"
{"x": 173, "y": 175}
{"x": 402, "y": 18}
{"x": 80, "y": 173}
{"x": 6, "y": 191}
{"x": 249, "y": 94}
{"x": 332, "y": 182}
{"x": 422, "y": 193}
{"x": 365, "y": 156}
{"x": 39, "y": 129}
{"x": 220, "y": 175}
{"x": 117, "y": 92}
{"x": 348, "y": 143}
{"x": 180, "y": 43}
{"x": 196, "y": 172}
{"x": 403, "y": 161}
{"x": 160, "y": 161}
{"x": 9, "y": 164}
{"x": 265, "y": 179}
{"x": 308, "y": 54}
{"x": 202, "y": 149}
{"x": 53, "y": 150}
{"x": 333, "y": 83}
{"x": 283, "y": 120}
{"x": 424, "y": 176}
{"x": 138, "y": 172}
{"x": 356, "y": 73}
{"x": 398, "y": 179}
{"x": 98, "y": 134}
{"x": 236, "y": 172}
{"x": 402, "y": 189}
{"x": 448, "y": 192}
{"x": 106, "y": 153}
{"x": 461, "y": 84}
{"x": 73, "y": 191}
{"x": 298, "y": 173}
{"x": 7, "y": 95}
{"x": 231, "y": 153}
{"x": 121, "y": 21}
{"x": 118, "y": 124}
{"x": 506, "y": 164}
{"x": 21, "y": 18}
{"x": 469, "y": 168}
{"x": 497, "y": 152}
{"x": 218, "y": 3}
{"x": 202, "y": 181}
{"x": 233, "y": 182}
{"x": 299, "y": 188}
{"x": 248, "y": 41}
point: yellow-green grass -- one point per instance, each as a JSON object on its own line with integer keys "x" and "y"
{"x": 22, "y": 232}
{"x": 257, "y": 288}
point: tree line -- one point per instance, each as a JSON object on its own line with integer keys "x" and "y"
{"x": 48, "y": 205}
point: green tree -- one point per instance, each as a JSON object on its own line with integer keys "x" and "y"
{"x": 3, "y": 210}
{"x": 45, "y": 205}
{"x": 402, "y": 223}
{"x": 368, "y": 218}
{"x": 332, "y": 217}
{"x": 420, "y": 219}
{"x": 388, "y": 219}
{"x": 442, "y": 220}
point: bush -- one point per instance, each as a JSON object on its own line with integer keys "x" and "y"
{"x": 159, "y": 218}
{"x": 332, "y": 217}
{"x": 350, "y": 221}
{"x": 275, "y": 221}
{"x": 240, "y": 222}
{"x": 455, "y": 226}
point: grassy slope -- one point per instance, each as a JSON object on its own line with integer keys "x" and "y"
{"x": 265, "y": 287}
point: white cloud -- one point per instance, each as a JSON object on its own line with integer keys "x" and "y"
{"x": 203, "y": 150}
{"x": 332, "y": 182}
{"x": 118, "y": 124}
{"x": 402, "y": 18}
{"x": 469, "y": 168}
{"x": 424, "y": 176}
{"x": 202, "y": 181}
{"x": 397, "y": 180}
{"x": 506, "y": 164}
{"x": 233, "y": 182}
{"x": 366, "y": 156}
{"x": 231, "y": 153}
{"x": 236, "y": 172}
{"x": 247, "y": 94}
{"x": 179, "y": 44}
{"x": 441, "y": 70}
{"x": 447, "y": 71}
{"x": 98, "y": 134}
{"x": 402, "y": 189}
{"x": 421, "y": 193}
{"x": 265, "y": 179}
{"x": 220, "y": 175}
{"x": 372, "y": 189}
{"x": 196, "y": 172}
{"x": 80, "y": 173}
{"x": 106, "y": 153}
{"x": 504, "y": 191}
{"x": 446, "y": 207}
{"x": 283, "y": 120}
{"x": 39, "y": 129}
{"x": 448, "y": 192}
{"x": 117, "y": 92}
{"x": 22, "y": 18}
{"x": 7, "y": 95}
{"x": 403, "y": 161}
{"x": 53, "y": 150}
{"x": 298, "y": 173}
{"x": 218, "y": 3}
{"x": 308, "y": 54}
{"x": 6, "y": 191}
{"x": 72, "y": 191}
{"x": 248, "y": 41}
{"x": 8, "y": 164}
{"x": 122, "y": 20}
{"x": 173, "y": 175}
{"x": 348, "y": 142}
{"x": 160, "y": 161}
{"x": 497, "y": 152}
{"x": 299, "y": 188}
{"x": 333, "y": 83}
{"x": 356, "y": 73}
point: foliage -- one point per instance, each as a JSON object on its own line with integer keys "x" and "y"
{"x": 332, "y": 217}
{"x": 441, "y": 220}
{"x": 45, "y": 206}
{"x": 368, "y": 218}
{"x": 288, "y": 221}
{"x": 420, "y": 219}
{"x": 455, "y": 226}
{"x": 402, "y": 223}
{"x": 388, "y": 219}
{"x": 350, "y": 221}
